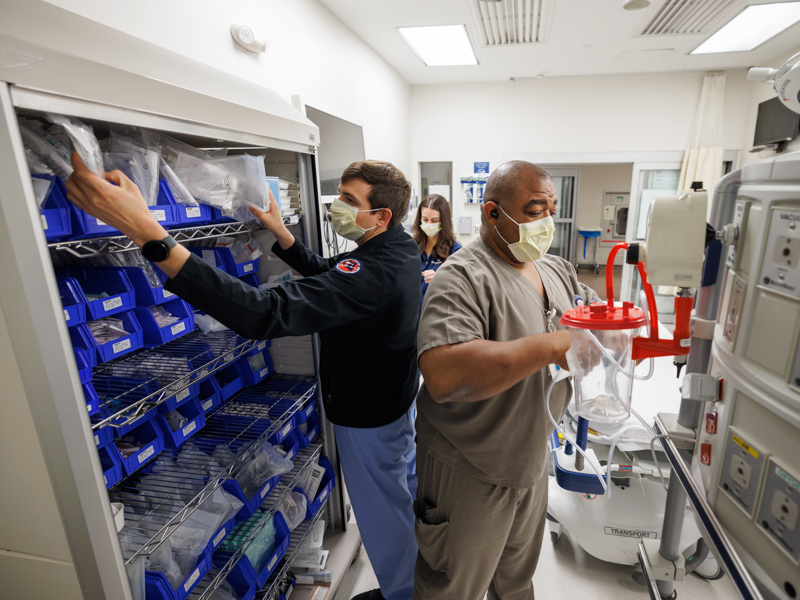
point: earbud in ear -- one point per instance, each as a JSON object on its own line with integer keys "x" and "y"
{"x": 495, "y": 214}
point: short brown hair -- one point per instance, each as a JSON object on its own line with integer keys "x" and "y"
{"x": 390, "y": 189}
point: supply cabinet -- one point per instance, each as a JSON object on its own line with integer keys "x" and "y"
{"x": 69, "y": 402}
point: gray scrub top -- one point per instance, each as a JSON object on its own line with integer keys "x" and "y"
{"x": 476, "y": 295}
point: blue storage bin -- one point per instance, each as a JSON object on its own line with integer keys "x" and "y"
{"x": 92, "y": 400}
{"x": 144, "y": 293}
{"x": 125, "y": 344}
{"x": 104, "y": 435}
{"x": 55, "y": 214}
{"x": 85, "y": 225}
{"x": 113, "y": 282}
{"x": 290, "y": 443}
{"x": 157, "y": 586}
{"x": 192, "y": 411}
{"x": 210, "y": 395}
{"x": 83, "y": 364}
{"x": 180, "y": 398}
{"x": 83, "y": 341}
{"x": 72, "y": 300}
{"x": 243, "y": 573}
{"x": 121, "y": 392}
{"x": 312, "y": 431}
{"x": 110, "y": 464}
{"x": 153, "y": 335}
{"x": 218, "y": 217}
{"x": 230, "y": 380}
{"x": 186, "y": 216}
{"x": 151, "y": 439}
{"x": 279, "y": 436}
{"x": 259, "y": 347}
{"x": 252, "y": 376}
{"x": 325, "y": 487}
{"x": 251, "y": 280}
{"x": 222, "y": 258}
{"x": 165, "y": 210}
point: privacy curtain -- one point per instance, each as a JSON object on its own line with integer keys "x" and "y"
{"x": 702, "y": 160}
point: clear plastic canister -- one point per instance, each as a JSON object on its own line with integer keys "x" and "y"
{"x": 601, "y": 365}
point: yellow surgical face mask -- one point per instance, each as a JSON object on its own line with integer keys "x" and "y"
{"x": 431, "y": 229}
{"x": 534, "y": 238}
{"x": 343, "y": 219}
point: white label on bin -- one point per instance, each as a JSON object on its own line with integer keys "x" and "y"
{"x": 97, "y": 440}
{"x": 120, "y": 346}
{"x": 263, "y": 372}
{"x": 323, "y": 495}
{"x": 112, "y": 303}
{"x": 220, "y": 536}
{"x": 189, "y": 428}
{"x": 66, "y": 314}
{"x": 287, "y": 430}
{"x": 202, "y": 374}
{"x": 145, "y": 454}
{"x": 193, "y": 211}
{"x": 159, "y": 215}
{"x": 247, "y": 268}
{"x": 207, "y": 405}
{"x": 265, "y": 491}
{"x": 272, "y": 562}
{"x": 190, "y": 582}
{"x": 105, "y": 480}
{"x": 168, "y": 294}
{"x": 290, "y": 455}
{"x": 261, "y": 345}
{"x": 99, "y": 222}
{"x": 178, "y": 327}
{"x": 89, "y": 407}
{"x": 182, "y": 395}
{"x": 44, "y": 221}
{"x": 309, "y": 410}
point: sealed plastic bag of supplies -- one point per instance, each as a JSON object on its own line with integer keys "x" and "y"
{"x": 129, "y": 165}
{"x": 261, "y": 548}
{"x": 231, "y": 184}
{"x": 293, "y": 509}
{"x": 83, "y": 141}
{"x": 180, "y": 192}
{"x": 265, "y": 463}
{"x": 146, "y": 157}
{"x": 46, "y": 153}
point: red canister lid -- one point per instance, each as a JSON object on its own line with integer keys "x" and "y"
{"x": 600, "y": 316}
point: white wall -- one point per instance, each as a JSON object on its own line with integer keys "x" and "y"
{"x": 311, "y": 54}
{"x": 466, "y": 123}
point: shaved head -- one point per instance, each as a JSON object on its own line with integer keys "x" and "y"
{"x": 505, "y": 180}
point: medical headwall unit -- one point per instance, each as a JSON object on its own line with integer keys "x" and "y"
{"x": 58, "y": 537}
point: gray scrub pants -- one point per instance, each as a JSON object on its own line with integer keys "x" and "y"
{"x": 479, "y": 538}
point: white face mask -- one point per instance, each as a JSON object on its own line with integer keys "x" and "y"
{"x": 431, "y": 229}
{"x": 343, "y": 219}
{"x": 534, "y": 238}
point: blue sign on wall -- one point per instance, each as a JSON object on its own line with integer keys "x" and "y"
{"x": 482, "y": 167}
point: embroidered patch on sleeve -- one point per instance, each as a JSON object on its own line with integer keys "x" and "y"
{"x": 349, "y": 266}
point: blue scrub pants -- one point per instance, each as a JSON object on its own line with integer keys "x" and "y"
{"x": 379, "y": 466}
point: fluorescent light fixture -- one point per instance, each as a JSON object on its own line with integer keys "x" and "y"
{"x": 751, "y": 28}
{"x": 440, "y": 45}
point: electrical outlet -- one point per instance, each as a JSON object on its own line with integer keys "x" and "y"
{"x": 741, "y": 472}
{"x": 785, "y": 510}
{"x": 786, "y": 251}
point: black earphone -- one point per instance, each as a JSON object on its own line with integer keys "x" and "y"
{"x": 495, "y": 214}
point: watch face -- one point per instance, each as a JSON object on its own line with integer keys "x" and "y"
{"x": 155, "y": 251}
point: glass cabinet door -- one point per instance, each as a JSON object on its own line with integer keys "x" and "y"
{"x": 565, "y": 181}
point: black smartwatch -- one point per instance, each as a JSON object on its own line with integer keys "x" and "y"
{"x": 158, "y": 250}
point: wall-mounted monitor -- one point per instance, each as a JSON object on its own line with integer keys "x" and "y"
{"x": 340, "y": 143}
{"x": 775, "y": 125}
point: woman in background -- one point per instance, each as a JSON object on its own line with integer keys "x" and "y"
{"x": 433, "y": 232}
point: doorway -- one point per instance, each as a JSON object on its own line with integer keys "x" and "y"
{"x": 436, "y": 178}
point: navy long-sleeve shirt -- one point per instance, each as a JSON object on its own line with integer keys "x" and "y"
{"x": 363, "y": 303}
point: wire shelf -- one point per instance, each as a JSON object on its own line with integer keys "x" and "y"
{"x": 119, "y": 243}
{"x": 163, "y": 495}
{"x": 135, "y": 384}
{"x": 303, "y": 461}
{"x": 299, "y": 536}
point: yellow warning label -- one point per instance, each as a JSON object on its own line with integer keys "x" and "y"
{"x": 753, "y": 452}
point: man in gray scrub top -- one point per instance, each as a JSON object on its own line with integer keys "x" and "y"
{"x": 488, "y": 331}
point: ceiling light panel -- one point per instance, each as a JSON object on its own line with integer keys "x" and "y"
{"x": 440, "y": 45}
{"x": 512, "y": 21}
{"x": 751, "y": 28}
